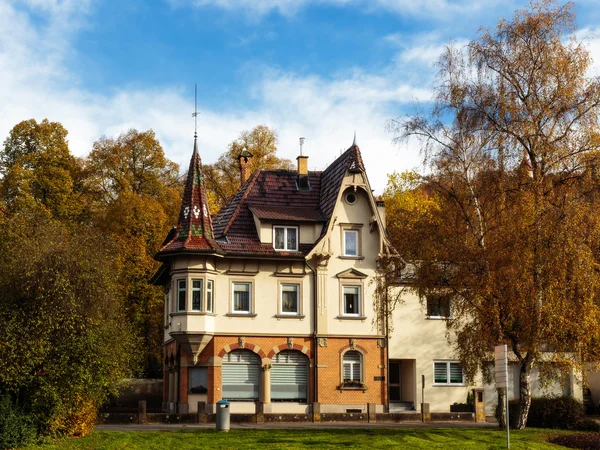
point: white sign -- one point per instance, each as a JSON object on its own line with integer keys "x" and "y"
{"x": 501, "y": 366}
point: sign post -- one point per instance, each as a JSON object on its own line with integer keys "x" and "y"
{"x": 501, "y": 371}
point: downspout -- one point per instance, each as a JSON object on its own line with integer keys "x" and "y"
{"x": 178, "y": 378}
{"x": 316, "y": 339}
{"x": 387, "y": 349}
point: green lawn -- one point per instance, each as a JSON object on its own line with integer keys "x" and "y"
{"x": 409, "y": 438}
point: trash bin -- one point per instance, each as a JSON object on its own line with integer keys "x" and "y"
{"x": 223, "y": 415}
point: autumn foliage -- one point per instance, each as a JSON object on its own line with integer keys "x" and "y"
{"x": 513, "y": 146}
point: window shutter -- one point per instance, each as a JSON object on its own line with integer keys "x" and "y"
{"x": 440, "y": 372}
{"x": 289, "y": 376}
{"x": 456, "y": 373}
{"x": 241, "y": 375}
{"x": 351, "y": 365}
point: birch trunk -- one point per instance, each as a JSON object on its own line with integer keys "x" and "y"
{"x": 525, "y": 392}
{"x": 501, "y": 408}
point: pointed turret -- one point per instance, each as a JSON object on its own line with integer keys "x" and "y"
{"x": 194, "y": 231}
{"x": 355, "y": 163}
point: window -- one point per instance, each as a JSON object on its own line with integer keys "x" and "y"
{"x": 351, "y": 246}
{"x": 352, "y": 366}
{"x": 285, "y": 238}
{"x": 289, "y": 299}
{"x": 198, "y": 380}
{"x": 196, "y": 295}
{"x": 240, "y": 376}
{"x": 351, "y": 300}
{"x": 289, "y": 377}
{"x": 209, "y": 296}
{"x": 448, "y": 373}
{"x": 438, "y": 306}
{"x": 350, "y": 242}
{"x": 181, "y": 294}
{"x": 242, "y": 294}
{"x": 350, "y": 198}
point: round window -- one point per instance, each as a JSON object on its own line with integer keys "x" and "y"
{"x": 350, "y": 198}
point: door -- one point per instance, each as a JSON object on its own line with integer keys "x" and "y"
{"x": 395, "y": 382}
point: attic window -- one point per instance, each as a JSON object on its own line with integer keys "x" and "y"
{"x": 351, "y": 198}
{"x": 285, "y": 238}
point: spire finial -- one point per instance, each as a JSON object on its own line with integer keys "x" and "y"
{"x": 354, "y": 141}
{"x": 195, "y": 114}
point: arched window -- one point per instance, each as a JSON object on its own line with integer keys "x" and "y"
{"x": 352, "y": 366}
{"x": 241, "y": 375}
{"x": 289, "y": 377}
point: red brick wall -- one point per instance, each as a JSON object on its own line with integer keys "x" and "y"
{"x": 374, "y": 360}
{"x": 330, "y": 377}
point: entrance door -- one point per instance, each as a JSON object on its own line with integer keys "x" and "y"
{"x": 395, "y": 381}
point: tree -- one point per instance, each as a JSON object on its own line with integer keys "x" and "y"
{"x": 64, "y": 346}
{"x": 411, "y": 210}
{"x": 137, "y": 195}
{"x": 223, "y": 177}
{"x": 513, "y": 144}
{"x": 39, "y": 171}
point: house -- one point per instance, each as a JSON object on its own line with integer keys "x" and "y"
{"x": 271, "y": 302}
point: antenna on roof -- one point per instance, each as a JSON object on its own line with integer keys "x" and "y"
{"x": 195, "y": 113}
{"x": 301, "y": 144}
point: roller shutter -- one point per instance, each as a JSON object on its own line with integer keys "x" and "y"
{"x": 241, "y": 375}
{"x": 289, "y": 376}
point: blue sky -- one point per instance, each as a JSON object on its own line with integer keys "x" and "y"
{"x": 314, "y": 68}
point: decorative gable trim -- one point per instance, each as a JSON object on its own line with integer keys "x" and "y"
{"x": 351, "y": 273}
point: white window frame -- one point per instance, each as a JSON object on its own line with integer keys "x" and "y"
{"x": 201, "y": 290}
{"x": 357, "y": 237}
{"x": 360, "y": 366}
{"x": 210, "y": 293}
{"x": 298, "y": 309}
{"x": 178, "y": 295}
{"x": 358, "y": 288}
{"x": 285, "y": 229}
{"x": 440, "y": 317}
{"x": 250, "y": 297}
{"x": 448, "y": 378}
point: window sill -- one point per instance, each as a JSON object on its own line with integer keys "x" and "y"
{"x": 192, "y": 313}
{"x": 290, "y": 316}
{"x": 240, "y": 315}
{"x": 350, "y": 257}
{"x": 437, "y": 318}
{"x": 352, "y": 388}
{"x": 449, "y": 385}
{"x": 351, "y": 317}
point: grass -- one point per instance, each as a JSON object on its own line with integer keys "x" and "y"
{"x": 239, "y": 439}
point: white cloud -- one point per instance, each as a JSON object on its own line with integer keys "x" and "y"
{"x": 590, "y": 38}
{"x": 432, "y": 9}
{"x": 35, "y": 83}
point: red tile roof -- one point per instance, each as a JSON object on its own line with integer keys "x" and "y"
{"x": 194, "y": 230}
{"x": 287, "y": 213}
{"x": 271, "y": 195}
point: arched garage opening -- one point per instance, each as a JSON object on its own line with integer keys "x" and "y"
{"x": 289, "y": 377}
{"x": 241, "y": 376}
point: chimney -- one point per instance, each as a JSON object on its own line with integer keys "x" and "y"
{"x": 245, "y": 160}
{"x": 302, "y": 183}
{"x": 302, "y": 161}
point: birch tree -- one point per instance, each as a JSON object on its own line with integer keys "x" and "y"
{"x": 513, "y": 145}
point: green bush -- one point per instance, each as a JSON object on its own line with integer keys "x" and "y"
{"x": 588, "y": 425}
{"x": 555, "y": 412}
{"x": 552, "y": 412}
{"x": 16, "y": 427}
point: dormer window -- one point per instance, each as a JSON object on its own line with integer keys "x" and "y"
{"x": 285, "y": 238}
